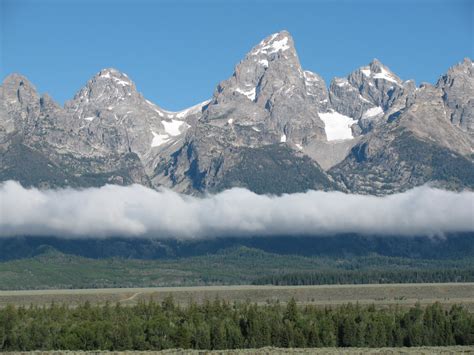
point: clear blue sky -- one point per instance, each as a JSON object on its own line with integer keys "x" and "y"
{"x": 177, "y": 51}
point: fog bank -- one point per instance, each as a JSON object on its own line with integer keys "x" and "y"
{"x": 138, "y": 211}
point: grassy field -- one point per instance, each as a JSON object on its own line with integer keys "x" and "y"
{"x": 380, "y": 295}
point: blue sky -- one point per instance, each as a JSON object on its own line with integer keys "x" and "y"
{"x": 177, "y": 51}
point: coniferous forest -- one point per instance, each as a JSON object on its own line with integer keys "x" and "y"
{"x": 348, "y": 277}
{"x": 222, "y": 325}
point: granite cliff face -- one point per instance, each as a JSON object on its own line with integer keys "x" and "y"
{"x": 457, "y": 86}
{"x": 367, "y": 93}
{"x": 268, "y": 102}
{"x": 272, "y": 127}
{"x": 416, "y": 142}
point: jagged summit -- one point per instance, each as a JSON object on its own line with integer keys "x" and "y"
{"x": 275, "y": 55}
{"x": 111, "y": 91}
{"x": 457, "y": 86}
{"x": 111, "y": 76}
{"x": 377, "y": 71}
{"x": 16, "y": 86}
{"x": 16, "y": 79}
{"x": 105, "y": 91}
{"x": 18, "y": 95}
{"x": 280, "y": 43}
{"x": 107, "y": 88}
{"x": 269, "y": 92}
{"x": 368, "y": 92}
{"x": 119, "y": 78}
{"x": 272, "y": 127}
{"x": 465, "y": 67}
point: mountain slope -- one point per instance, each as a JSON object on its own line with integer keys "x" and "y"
{"x": 272, "y": 127}
{"x": 415, "y": 145}
{"x": 268, "y": 100}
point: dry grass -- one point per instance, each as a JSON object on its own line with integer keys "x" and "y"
{"x": 380, "y": 295}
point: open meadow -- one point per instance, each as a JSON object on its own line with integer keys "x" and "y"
{"x": 329, "y": 295}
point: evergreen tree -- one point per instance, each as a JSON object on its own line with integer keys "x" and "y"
{"x": 219, "y": 325}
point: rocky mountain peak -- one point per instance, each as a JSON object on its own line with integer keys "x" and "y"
{"x": 269, "y": 92}
{"x": 104, "y": 91}
{"x": 367, "y": 93}
{"x": 464, "y": 69}
{"x": 275, "y": 55}
{"x": 376, "y": 71}
{"x": 20, "y": 100}
{"x": 376, "y": 64}
{"x": 277, "y": 44}
{"x": 270, "y": 127}
{"x": 457, "y": 86}
{"x": 467, "y": 65}
{"x": 18, "y": 90}
{"x": 115, "y": 77}
{"x": 15, "y": 79}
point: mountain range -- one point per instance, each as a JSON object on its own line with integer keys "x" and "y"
{"x": 272, "y": 127}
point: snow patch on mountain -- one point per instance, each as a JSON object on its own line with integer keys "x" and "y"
{"x": 173, "y": 128}
{"x": 272, "y": 45}
{"x": 385, "y": 75}
{"x": 159, "y": 139}
{"x": 366, "y": 71}
{"x": 121, "y": 82}
{"x": 264, "y": 62}
{"x": 341, "y": 82}
{"x": 250, "y": 93}
{"x": 191, "y": 110}
{"x": 336, "y": 125}
{"x": 372, "y": 112}
{"x": 178, "y": 114}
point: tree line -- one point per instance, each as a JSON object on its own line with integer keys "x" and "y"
{"x": 367, "y": 277}
{"x": 223, "y": 325}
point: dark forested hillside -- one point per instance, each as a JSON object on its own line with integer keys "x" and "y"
{"x": 233, "y": 266}
{"x": 452, "y": 246}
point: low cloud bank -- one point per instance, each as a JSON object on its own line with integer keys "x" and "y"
{"x": 138, "y": 211}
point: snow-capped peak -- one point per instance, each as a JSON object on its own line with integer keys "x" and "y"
{"x": 376, "y": 70}
{"x": 115, "y": 76}
{"x": 277, "y": 42}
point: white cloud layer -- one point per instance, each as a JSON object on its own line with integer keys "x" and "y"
{"x": 138, "y": 211}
